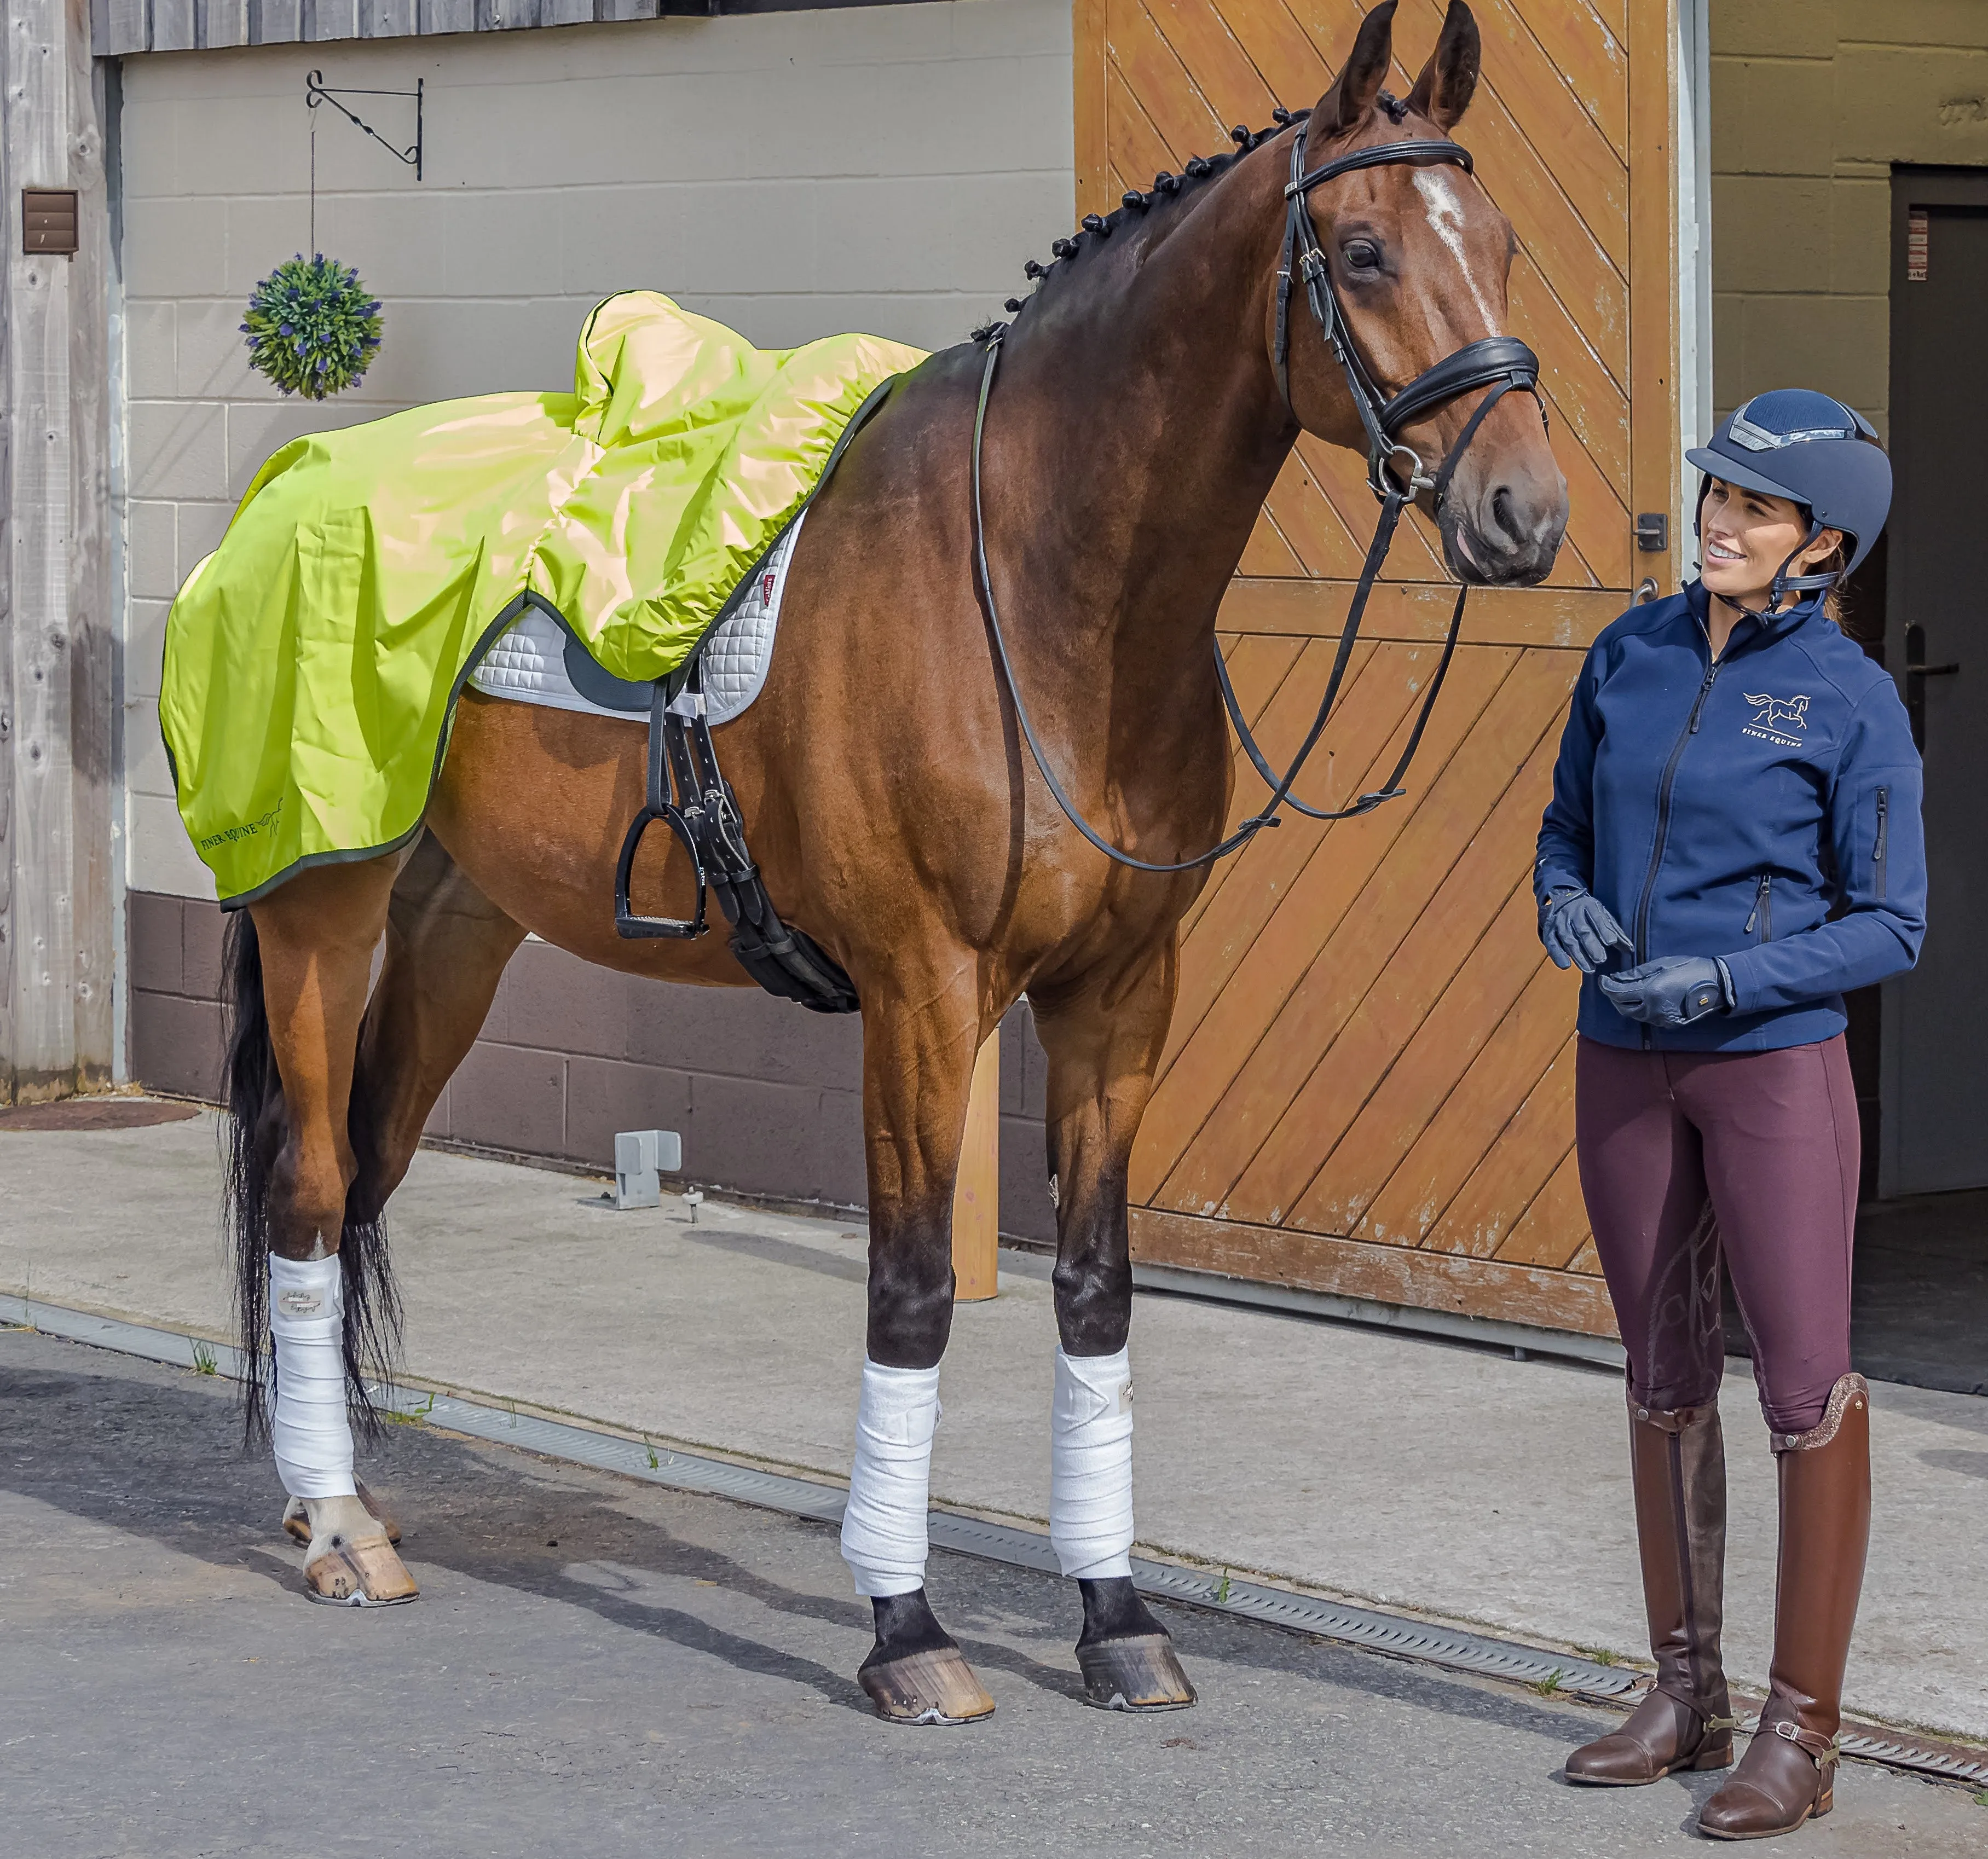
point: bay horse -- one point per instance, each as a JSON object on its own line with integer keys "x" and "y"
{"x": 1150, "y": 391}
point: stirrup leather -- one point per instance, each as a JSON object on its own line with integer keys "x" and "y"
{"x": 688, "y": 792}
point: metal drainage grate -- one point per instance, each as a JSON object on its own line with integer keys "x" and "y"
{"x": 1926, "y": 1755}
{"x": 1368, "y": 1629}
{"x": 1389, "y": 1633}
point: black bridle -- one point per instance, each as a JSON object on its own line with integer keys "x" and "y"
{"x": 1499, "y": 363}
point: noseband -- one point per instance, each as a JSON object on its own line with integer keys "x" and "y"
{"x": 1394, "y": 472}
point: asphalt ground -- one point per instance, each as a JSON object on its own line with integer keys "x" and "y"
{"x": 600, "y": 1667}
{"x": 1382, "y": 1469}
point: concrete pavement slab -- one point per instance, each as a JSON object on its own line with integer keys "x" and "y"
{"x": 1369, "y": 1464}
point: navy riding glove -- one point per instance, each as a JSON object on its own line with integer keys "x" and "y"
{"x": 1579, "y": 931}
{"x": 1674, "y": 992}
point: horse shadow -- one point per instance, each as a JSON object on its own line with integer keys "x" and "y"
{"x": 156, "y": 1453}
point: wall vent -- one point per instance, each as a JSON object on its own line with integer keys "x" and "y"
{"x": 49, "y": 220}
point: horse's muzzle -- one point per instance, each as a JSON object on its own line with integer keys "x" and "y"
{"x": 1508, "y": 535}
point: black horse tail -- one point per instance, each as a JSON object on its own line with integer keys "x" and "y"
{"x": 254, "y": 1134}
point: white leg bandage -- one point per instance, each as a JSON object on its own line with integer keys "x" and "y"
{"x": 884, "y": 1529}
{"x": 1090, "y": 1465}
{"x": 310, "y": 1432}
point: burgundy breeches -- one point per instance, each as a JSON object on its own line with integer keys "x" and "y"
{"x": 1683, "y": 1154}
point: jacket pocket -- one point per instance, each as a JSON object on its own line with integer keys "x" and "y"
{"x": 1761, "y": 915}
{"x": 1884, "y": 800}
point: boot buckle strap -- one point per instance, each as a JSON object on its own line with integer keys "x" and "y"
{"x": 1822, "y": 1750}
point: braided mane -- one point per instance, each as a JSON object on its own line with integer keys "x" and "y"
{"x": 1166, "y": 195}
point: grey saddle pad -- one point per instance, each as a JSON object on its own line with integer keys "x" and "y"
{"x": 538, "y": 662}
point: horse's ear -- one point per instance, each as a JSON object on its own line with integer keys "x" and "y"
{"x": 1448, "y": 80}
{"x": 1350, "y": 101}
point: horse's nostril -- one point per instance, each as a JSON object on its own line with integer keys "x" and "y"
{"x": 1502, "y": 513}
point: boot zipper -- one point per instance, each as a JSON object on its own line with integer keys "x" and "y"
{"x": 1763, "y": 912}
{"x": 1878, "y": 851}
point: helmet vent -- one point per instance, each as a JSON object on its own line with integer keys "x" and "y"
{"x": 1758, "y": 438}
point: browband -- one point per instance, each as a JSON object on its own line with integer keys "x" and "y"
{"x": 1383, "y": 154}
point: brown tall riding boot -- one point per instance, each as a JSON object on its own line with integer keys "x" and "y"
{"x": 1678, "y": 1461}
{"x": 1788, "y": 1772}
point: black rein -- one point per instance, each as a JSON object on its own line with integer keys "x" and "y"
{"x": 1500, "y": 363}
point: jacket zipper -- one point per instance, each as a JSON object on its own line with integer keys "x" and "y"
{"x": 1878, "y": 851}
{"x": 1664, "y": 785}
{"x": 1763, "y": 912}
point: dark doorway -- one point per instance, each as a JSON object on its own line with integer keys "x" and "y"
{"x": 1921, "y": 1308}
{"x": 1936, "y": 1019}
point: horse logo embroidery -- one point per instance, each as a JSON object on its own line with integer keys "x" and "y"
{"x": 1773, "y": 715}
{"x": 1774, "y": 710}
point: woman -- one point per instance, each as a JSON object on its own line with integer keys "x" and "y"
{"x": 1733, "y": 842}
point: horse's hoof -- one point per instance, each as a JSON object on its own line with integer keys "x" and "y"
{"x": 1140, "y": 1673}
{"x": 296, "y": 1516}
{"x": 360, "y": 1575}
{"x": 936, "y": 1687}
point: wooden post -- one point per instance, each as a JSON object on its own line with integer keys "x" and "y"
{"x": 976, "y": 1193}
{"x": 57, "y": 706}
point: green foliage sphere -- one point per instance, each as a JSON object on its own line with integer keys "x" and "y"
{"x": 312, "y": 327}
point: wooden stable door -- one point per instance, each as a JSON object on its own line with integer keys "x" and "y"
{"x": 1368, "y": 1091}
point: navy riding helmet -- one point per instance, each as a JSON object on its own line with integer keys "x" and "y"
{"x": 1814, "y": 451}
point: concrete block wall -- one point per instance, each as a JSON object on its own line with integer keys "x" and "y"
{"x": 767, "y": 1097}
{"x": 885, "y": 168}
{"x": 1812, "y": 103}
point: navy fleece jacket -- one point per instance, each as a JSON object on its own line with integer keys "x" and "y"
{"x": 1764, "y": 809}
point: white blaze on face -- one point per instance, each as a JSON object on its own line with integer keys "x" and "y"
{"x": 1445, "y": 218}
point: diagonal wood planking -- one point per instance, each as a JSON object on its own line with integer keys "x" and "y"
{"x": 1182, "y": 69}
{"x": 1367, "y": 1043}
{"x": 1264, "y": 972}
{"x": 1438, "y": 895}
{"x": 1308, "y": 971}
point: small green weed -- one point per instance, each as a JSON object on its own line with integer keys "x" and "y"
{"x": 655, "y": 1464}
{"x": 1599, "y": 1655}
{"x": 203, "y": 1362}
{"x": 1221, "y": 1590}
{"x": 1549, "y": 1684}
{"x": 1981, "y": 1800}
{"x": 413, "y": 1416}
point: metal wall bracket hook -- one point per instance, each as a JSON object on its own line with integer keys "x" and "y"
{"x": 412, "y": 156}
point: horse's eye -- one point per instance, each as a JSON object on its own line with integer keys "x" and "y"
{"x": 1361, "y": 254}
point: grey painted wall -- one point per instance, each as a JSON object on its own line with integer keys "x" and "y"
{"x": 882, "y": 168}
